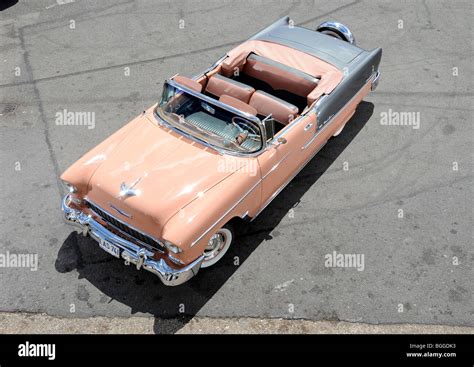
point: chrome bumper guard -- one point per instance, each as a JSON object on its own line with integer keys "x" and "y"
{"x": 129, "y": 251}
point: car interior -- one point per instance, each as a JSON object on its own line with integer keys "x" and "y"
{"x": 231, "y": 130}
{"x": 263, "y": 87}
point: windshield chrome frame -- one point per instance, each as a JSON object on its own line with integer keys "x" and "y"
{"x": 219, "y": 104}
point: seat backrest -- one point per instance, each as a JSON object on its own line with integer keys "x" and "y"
{"x": 187, "y": 82}
{"x": 219, "y": 85}
{"x": 238, "y": 104}
{"x": 280, "y": 76}
{"x": 266, "y": 104}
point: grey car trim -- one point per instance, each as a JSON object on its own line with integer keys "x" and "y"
{"x": 334, "y": 51}
{"x": 349, "y": 86}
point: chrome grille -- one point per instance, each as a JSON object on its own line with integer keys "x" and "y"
{"x": 122, "y": 227}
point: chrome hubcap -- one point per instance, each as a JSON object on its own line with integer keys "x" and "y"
{"x": 215, "y": 245}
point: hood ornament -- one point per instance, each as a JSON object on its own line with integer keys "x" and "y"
{"x": 127, "y": 191}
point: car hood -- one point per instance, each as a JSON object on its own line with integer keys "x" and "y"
{"x": 166, "y": 169}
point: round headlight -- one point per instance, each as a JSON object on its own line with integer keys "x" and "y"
{"x": 71, "y": 188}
{"x": 172, "y": 247}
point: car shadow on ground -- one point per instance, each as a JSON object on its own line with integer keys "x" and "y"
{"x": 144, "y": 293}
{"x": 7, "y": 4}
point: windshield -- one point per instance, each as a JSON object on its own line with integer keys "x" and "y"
{"x": 208, "y": 122}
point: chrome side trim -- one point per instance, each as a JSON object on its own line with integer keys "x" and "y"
{"x": 226, "y": 213}
{"x": 285, "y": 131}
{"x": 280, "y": 189}
{"x": 276, "y": 165}
{"x": 320, "y": 100}
{"x": 308, "y": 143}
{"x": 375, "y": 82}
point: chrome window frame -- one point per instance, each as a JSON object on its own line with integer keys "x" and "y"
{"x": 223, "y": 106}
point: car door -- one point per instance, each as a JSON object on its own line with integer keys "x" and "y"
{"x": 283, "y": 158}
{"x": 315, "y": 138}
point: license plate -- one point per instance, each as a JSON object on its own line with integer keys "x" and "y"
{"x": 110, "y": 248}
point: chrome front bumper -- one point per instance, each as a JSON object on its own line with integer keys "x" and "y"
{"x": 129, "y": 251}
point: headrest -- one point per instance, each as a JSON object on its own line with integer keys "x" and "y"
{"x": 187, "y": 82}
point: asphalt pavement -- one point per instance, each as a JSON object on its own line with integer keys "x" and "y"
{"x": 401, "y": 195}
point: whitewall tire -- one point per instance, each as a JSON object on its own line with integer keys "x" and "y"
{"x": 218, "y": 245}
{"x": 339, "y": 131}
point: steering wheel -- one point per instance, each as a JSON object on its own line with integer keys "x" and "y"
{"x": 238, "y": 121}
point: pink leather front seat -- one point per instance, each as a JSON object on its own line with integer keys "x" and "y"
{"x": 189, "y": 83}
{"x": 266, "y": 104}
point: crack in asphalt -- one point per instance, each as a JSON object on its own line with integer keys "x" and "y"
{"x": 155, "y": 59}
{"x": 132, "y": 63}
{"x": 86, "y": 13}
{"x": 36, "y": 92}
{"x": 429, "y": 23}
{"x": 342, "y": 7}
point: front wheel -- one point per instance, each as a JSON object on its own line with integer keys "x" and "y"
{"x": 339, "y": 131}
{"x": 218, "y": 245}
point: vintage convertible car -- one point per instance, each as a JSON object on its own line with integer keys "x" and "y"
{"x": 164, "y": 191}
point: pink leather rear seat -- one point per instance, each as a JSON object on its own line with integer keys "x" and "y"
{"x": 219, "y": 85}
{"x": 238, "y": 104}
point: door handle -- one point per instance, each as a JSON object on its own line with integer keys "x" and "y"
{"x": 307, "y": 127}
{"x": 279, "y": 142}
